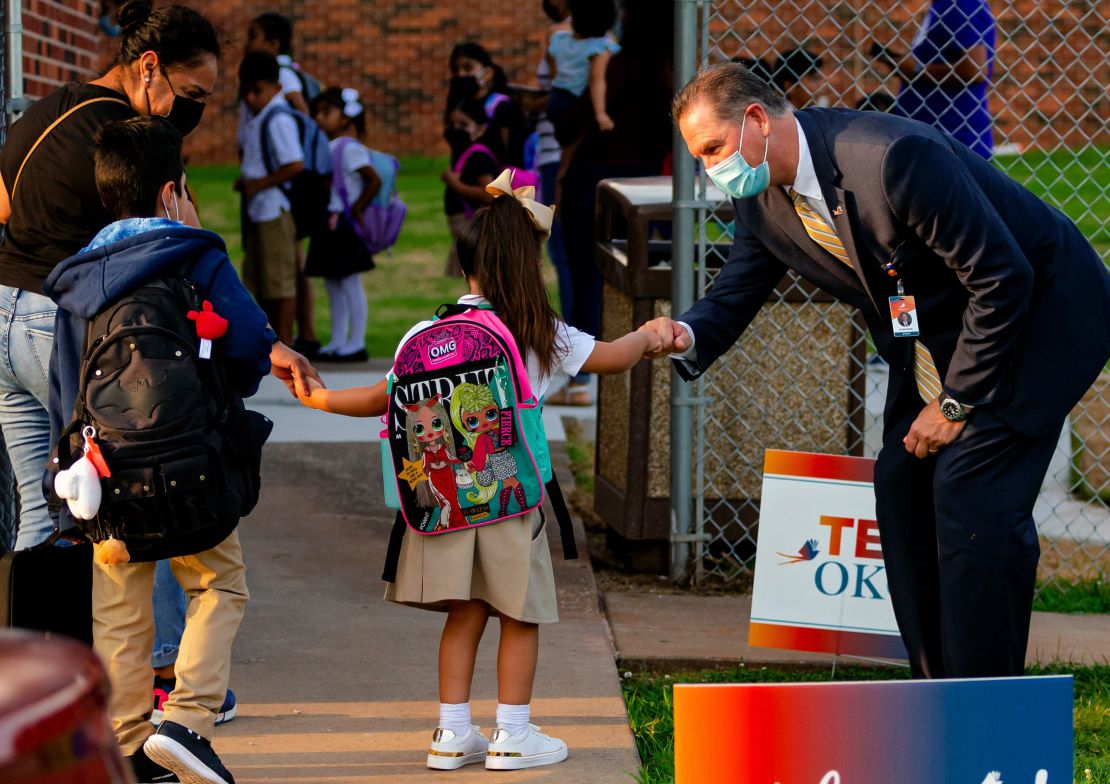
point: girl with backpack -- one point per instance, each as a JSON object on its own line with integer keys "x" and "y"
{"x": 476, "y": 151}
{"x": 502, "y": 569}
{"x": 337, "y": 253}
{"x": 495, "y": 121}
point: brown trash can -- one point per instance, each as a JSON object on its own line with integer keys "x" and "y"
{"x": 632, "y": 459}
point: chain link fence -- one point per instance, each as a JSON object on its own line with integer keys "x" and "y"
{"x": 805, "y": 365}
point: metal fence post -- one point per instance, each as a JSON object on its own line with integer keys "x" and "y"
{"x": 14, "y": 101}
{"x": 682, "y": 297}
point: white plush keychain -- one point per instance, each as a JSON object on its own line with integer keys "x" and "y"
{"x": 79, "y": 485}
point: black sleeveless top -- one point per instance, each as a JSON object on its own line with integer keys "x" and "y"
{"x": 56, "y": 210}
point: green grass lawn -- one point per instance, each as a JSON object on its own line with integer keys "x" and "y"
{"x": 409, "y": 283}
{"x": 1074, "y": 181}
{"x": 651, "y": 711}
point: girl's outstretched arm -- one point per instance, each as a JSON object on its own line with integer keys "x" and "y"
{"x": 621, "y": 354}
{"x": 356, "y": 401}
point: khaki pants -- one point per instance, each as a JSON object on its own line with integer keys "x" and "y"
{"x": 123, "y": 635}
{"x": 271, "y": 259}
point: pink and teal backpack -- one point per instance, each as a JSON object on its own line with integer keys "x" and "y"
{"x": 464, "y": 444}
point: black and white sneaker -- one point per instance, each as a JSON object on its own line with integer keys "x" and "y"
{"x": 187, "y": 754}
{"x": 149, "y": 772}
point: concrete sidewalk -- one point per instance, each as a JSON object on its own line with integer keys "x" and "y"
{"x": 682, "y": 630}
{"x": 336, "y": 685}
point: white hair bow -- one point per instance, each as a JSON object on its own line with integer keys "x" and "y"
{"x": 542, "y": 215}
{"x": 351, "y": 105}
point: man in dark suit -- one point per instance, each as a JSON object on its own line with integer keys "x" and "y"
{"x": 1013, "y": 308}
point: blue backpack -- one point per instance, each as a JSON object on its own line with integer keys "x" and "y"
{"x": 310, "y": 191}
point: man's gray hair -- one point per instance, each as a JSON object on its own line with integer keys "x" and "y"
{"x": 729, "y": 89}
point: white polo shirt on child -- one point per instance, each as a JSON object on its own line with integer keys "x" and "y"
{"x": 285, "y": 147}
{"x": 355, "y": 158}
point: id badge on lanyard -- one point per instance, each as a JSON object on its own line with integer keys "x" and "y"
{"x": 903, "y": 309}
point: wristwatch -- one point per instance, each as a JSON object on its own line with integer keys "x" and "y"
{"x": 952, "y": 409}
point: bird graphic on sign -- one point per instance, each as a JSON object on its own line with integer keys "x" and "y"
{"x": 807, "y": 552}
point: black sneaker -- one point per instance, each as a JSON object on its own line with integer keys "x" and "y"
{"x": 148, "y": 772}
{"x": 187, "y": 754}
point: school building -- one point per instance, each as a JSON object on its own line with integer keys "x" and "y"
{"x": 395, "y": 53}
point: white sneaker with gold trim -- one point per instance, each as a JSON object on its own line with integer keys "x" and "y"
{"x": 450, "y": 751}
{"x": 529, "y": 749}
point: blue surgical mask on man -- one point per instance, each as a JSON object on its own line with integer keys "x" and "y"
{"x": 736, "y": 177}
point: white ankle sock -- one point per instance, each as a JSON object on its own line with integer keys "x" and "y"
{"x": 513, "y": 718}
{"x": 455, "y": 717}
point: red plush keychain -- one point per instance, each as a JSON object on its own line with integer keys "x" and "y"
{"x": 210, "y": 326}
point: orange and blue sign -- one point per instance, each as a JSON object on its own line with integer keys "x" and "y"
{"x": 820, "y": 580}
{"x": 979, "y": 731}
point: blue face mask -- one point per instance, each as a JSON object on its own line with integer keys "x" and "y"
{"x": 736, "y": 177}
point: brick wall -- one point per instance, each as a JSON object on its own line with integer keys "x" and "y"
{"x": 393, "y": 51}
{"x": 60, "y": 43}
{"x": 1052, "y": 67}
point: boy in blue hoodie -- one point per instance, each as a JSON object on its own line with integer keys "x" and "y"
{"x": 141, "y": 180}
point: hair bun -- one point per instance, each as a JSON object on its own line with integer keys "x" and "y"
{"x": 133, "y": 14}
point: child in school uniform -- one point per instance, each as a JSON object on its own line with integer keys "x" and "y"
{"x": 337, "y": 254}
{"x": 269, "y": 234}
{"x": 272, "y": 32}
{"x": 502, "y": 570}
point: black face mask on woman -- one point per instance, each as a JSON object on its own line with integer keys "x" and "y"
{"x": 185, "y": 113}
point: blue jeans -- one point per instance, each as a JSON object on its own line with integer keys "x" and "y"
{"x": 26, "y": 339}
{"x": 170, "y": 605}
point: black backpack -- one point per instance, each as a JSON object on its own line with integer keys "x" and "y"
{"x": 183, "y": 451}
{"x": 310, "y": 191}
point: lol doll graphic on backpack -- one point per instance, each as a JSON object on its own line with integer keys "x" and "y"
{"x": 457, "y": 450}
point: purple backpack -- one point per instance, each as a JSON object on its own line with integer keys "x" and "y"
{"x": 383, "y": 217}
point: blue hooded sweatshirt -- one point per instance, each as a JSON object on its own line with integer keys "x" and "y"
{"x": 121, "y": 258}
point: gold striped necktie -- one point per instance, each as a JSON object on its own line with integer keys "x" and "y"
{"x": 924, "y": 368}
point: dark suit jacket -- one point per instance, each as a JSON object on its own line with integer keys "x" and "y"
{"x": 1012, "y": 300}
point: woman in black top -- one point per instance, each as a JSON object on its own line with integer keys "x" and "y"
{"x": 167, "y": 66}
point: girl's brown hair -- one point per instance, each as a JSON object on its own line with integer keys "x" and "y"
{"x": 501, "y": 249}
